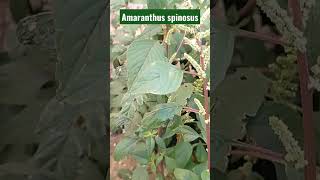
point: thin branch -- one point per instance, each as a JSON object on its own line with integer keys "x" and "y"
{"x": 189, "y": 109}
{"x": 261, "y": 36}
{"x": 192, "y": 73}
{"x": 255, "y": 148}
{"x": 247, "y": 8}
{"x": 310, "y": 172}
{"x": 258, "y": 155}
{"x": 206, "y": 100}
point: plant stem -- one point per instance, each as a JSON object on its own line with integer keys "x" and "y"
{"x": 249, "y": 147}
{"x": 306, "y": 99}
{"x": 247, "y": 8}
{"x": 259, "y": 155}
{"x": 160, "y": 167}
{"x": 192, "y": 73}
{"x": 261, "y": 36}
{"x": 189, "y": 109}
{"x": 206, "y": 100}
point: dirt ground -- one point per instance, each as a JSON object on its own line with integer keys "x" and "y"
{"x": 127, "y": 163}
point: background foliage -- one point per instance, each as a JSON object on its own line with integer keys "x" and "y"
{"x": 53, "y": 92}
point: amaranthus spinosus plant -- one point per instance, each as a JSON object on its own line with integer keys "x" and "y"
{"x": 160, "y": 94}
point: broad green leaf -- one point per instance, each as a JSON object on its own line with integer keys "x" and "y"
{"x": 199, "y": 168}
{"x": 251, "y": 49}
{"x": 150, "y": 31}
{"x": 182, "y": 94}
{"x": 183, "y": 152}
{"x": 170, "y": 163}
{"x": 201, "y": 153}
{"x": 140, "y": 173}
{"x": 184, "y": 174}
{"x": 149, "y": 70}
{"x": 172, "y": 127}
{"x": 188, "y": 133}
{"x": 21, "y": 79}
{"x": 140, "y": 153}
{"x": 244, "y": 86}
{"x": 124, "y": 147}
{"x": 81, "y": 73}
{"x": 160, "y": 114}
{"x": 223, "y": 51}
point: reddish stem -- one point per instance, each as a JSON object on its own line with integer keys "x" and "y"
{"x": 247, "y": 8}
{"x": 189, "y": 109}
{"x": 261, "y": 36}
{"x": 206, "y": 100}
{"x": 192, "y": 73}
{"x": 310, "y": 172}
{"x": 258, "y": 155}
{"x": 249, "y": 147}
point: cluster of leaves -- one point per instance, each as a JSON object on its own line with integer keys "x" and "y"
{"x": 53, "y": 93}
{"x": 256, "y": 78}
{"x": 154, "y": 96}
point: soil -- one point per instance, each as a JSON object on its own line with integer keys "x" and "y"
{"x": 115, "y": 166}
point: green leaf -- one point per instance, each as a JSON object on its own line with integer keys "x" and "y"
{"x": 205, "y": 175}
{"x": 140, "y": 153}
{"x": 201, "y": 153}
{"x": 160, "y": 142}
{"x": 199, "y": 168}
{"x": 156, "y": 4}
{"x": 251, "y": 49}
{"x": 149, "y": 70}
{"x": 183, "y": 152}
{"x": 150, "y": 31}
{"x": 140, "y": 173}
{"x": 182, "y": 94}
{"x": 224, "y": 40}
{"x": 188, "y": 133}
{"x": 21, "y": 79}
{"x": 124, "y": 147}
{"x": 170, "y": 163}
{"x": 244, "y": 86}
{"x": 160, "y": 114}
{"x": 184, "y": 174}
{"x": 150, "y": 143}
{"x": 81, "y": 73}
